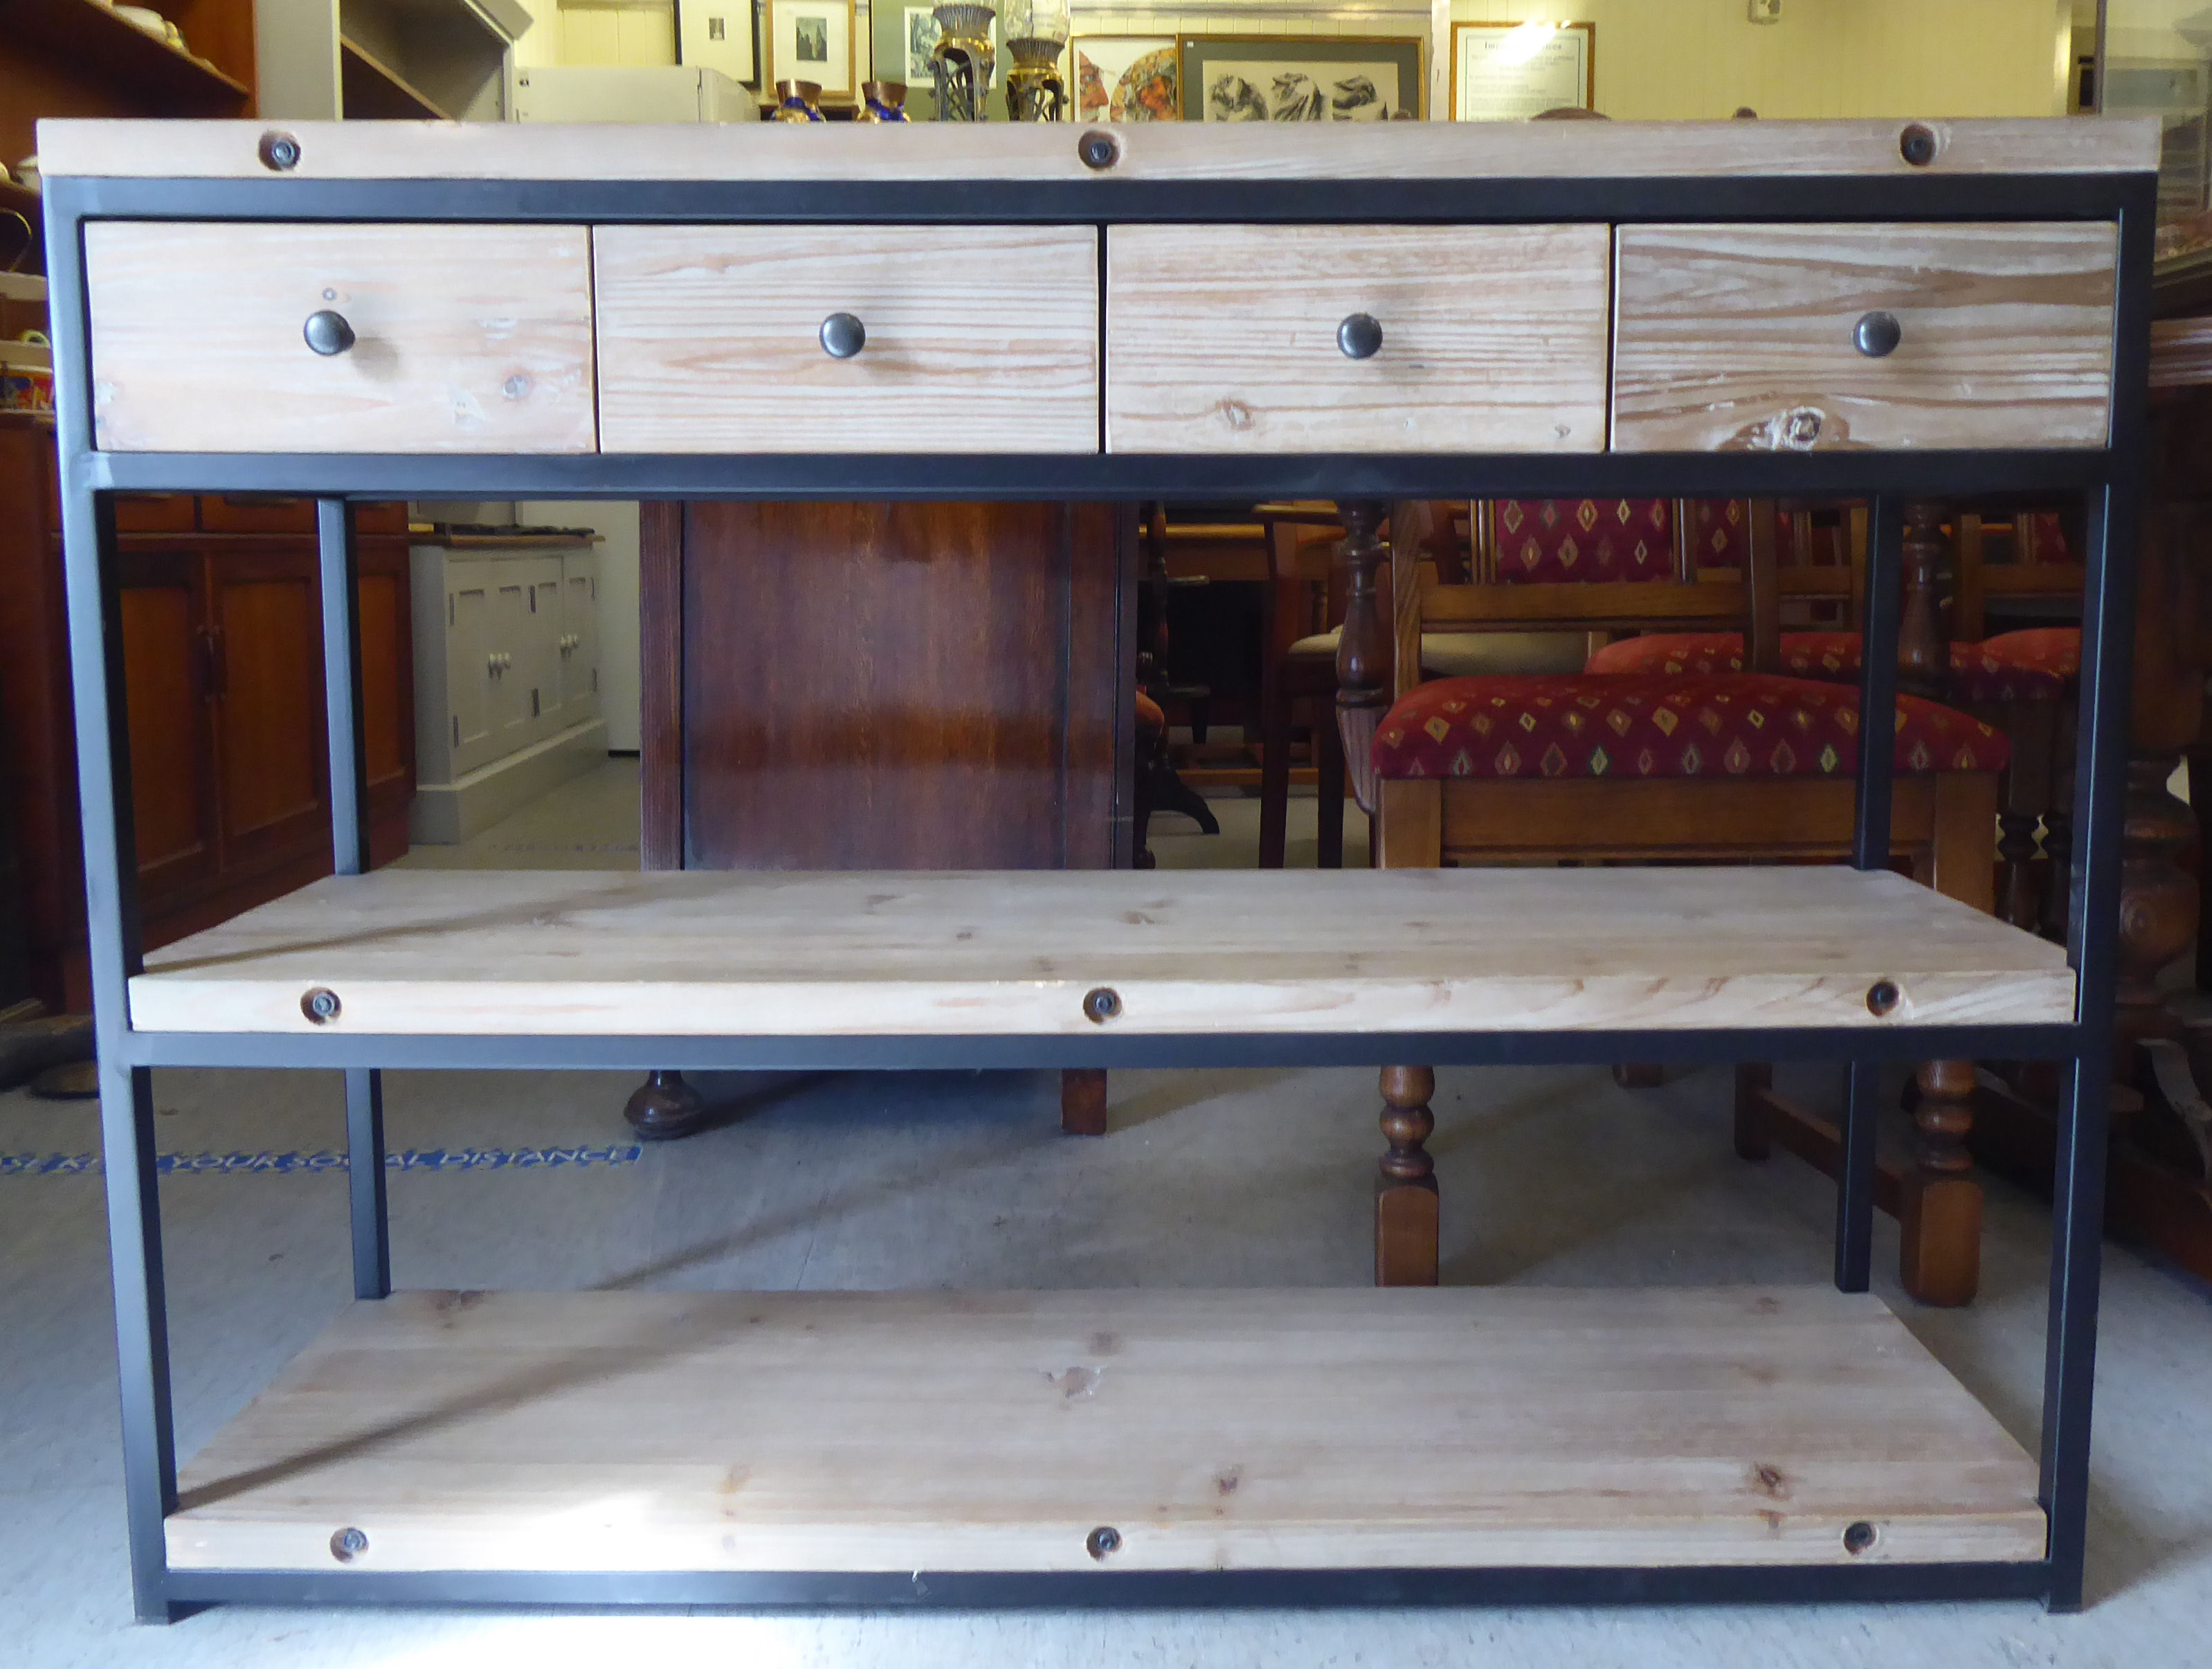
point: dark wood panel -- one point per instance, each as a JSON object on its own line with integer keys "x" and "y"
{"x": 898, "y": 685}
{"x": 267, "y": 709}
{"x": 660, "y": 681}
{"x": 165, "y": 650}
{"x": 387, "y": 683}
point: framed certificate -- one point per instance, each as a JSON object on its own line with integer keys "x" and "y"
{"x": 1508, "y": 73}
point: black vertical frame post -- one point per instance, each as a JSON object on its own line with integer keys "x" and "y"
{"x": 364, "y": 1086}
{"x": 1870, "y": 850}
{"x": 114, "y": 945}
{"x": 2077, "y": 1198}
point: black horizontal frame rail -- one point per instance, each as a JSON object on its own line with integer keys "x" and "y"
{"x": 1108, "y": 475}
{"x": 979, "y": 202}
{"x": 925, "y": 1054}
{"x": 1590, "y": 1585}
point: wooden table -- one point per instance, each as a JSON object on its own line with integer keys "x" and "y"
{"x": 1055, "y": 316}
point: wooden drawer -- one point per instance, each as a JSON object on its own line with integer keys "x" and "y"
{"x": 1225, "y": 338}
{"x": 467, "y": 339}
{"x": 978, "y": 339}
{"x": 1731, "y": 337}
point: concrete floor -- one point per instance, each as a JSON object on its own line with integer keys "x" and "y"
{"x": 1210, "y": 1177}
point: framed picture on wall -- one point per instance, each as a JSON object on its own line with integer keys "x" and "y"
{"x": 1508, "y": 73}
{"x": 1125, "y": 79}
{"x": 1300, "y": 78}
{"x": 812, "y": 40}
{"x": 720, "y": 35}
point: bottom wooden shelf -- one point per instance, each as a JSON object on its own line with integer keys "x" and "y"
{"x": 1210, "y": 1430}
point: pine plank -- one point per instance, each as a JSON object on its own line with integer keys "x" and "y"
{"x": 469, "y": 338}
{"x": 550, "y": 953}
{"x": 1164, "y": 150}
{"x": 980, "y": 338}
{"x": 1741, "y": 336}
{"x": 1213, "y": 1430}
{"x": 1222, "y": 339}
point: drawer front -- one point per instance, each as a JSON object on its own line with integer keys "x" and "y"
{"x": 465, "y": 339}
{"x": 1731, "y": 337}
{"x": 258, "y": 512}
{"x": 974, "y": 339}
{"x": 1226, "y": 338}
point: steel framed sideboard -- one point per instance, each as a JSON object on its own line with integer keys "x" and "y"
{"x": 397, "y": 310}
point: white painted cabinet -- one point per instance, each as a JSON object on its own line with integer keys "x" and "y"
{"x": 507, "y": 696}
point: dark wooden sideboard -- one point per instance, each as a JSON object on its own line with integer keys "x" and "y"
{"x": 886, "y": 687}
{"x": 221, "y": 633}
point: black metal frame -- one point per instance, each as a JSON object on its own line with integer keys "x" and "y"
{"x": 2107, "y": 477}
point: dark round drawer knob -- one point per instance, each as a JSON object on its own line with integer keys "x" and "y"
{"x": 1877, "y": 334}
{"x": 1098, "y": 150}
{"x": 327, "y": 333}
{"x": 843, "y": 336}
{"x": 1359, "y": 336}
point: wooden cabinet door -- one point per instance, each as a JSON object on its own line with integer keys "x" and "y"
{"x": 579, "y": 637}
{"x": 270, "y": 745}
{"x": 537, "y": 657}
{"x": 169, "y": 660}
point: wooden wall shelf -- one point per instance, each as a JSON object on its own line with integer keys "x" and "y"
{"x": 92, "y": 40}
{"x": 374, "y": 91}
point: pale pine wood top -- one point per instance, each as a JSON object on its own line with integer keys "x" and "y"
{"x": 539, "y": 954}
{"x": 1019, "y": 151}
{"x": 1214, "y": 1430}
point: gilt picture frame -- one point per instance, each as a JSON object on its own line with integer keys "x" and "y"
{"x": 1302, "y": 78}
{"x": 1125, "y": 79}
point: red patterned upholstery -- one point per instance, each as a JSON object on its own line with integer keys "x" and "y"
{"x": 2055, "y": 650}
{"x": 1720, "y": 533}
{"x": 1736, "y": 724}
{"x": 1979, "y": 672}
{"x": 1558, "y": 541}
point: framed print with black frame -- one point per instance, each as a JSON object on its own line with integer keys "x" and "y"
{"x": 722, "y": 35}
{"x": 1301, "y": 78}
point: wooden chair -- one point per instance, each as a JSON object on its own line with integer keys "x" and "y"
{"x": 1731, "y": 766}
{"x": 2020, "y": 682}
{"x": 1631, "y": 554}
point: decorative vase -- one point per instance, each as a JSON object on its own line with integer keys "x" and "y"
{"x": 962, "y": 61}
{"x": 881, "y": 101}
{"x": 799, "y": 101}
{"x": 1036, "y": 33}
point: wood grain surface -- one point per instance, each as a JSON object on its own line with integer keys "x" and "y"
{"x": 1741, "y": 336}
{"x": 470, "y": 338}
{"x": 1162, "y": 150}
{"x": 980, "y": 338}
{"x": 537, "y": 953}
{"x": 897, "y": 686}
{"x": 1222, "y": 338}
{"x": 1213, "y": 1430}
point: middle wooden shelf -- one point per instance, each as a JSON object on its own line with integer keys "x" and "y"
{"x": 1076, "y": 955}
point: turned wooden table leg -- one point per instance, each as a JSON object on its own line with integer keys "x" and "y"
{"x": 664, "y": 1107}
{"x": 1406, "y": 1200}
{"x": 1083, "y": 1100}
{"x": 1940, "y": 1225}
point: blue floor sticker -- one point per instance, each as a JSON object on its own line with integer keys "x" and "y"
{"x": 409, "y": 1159}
